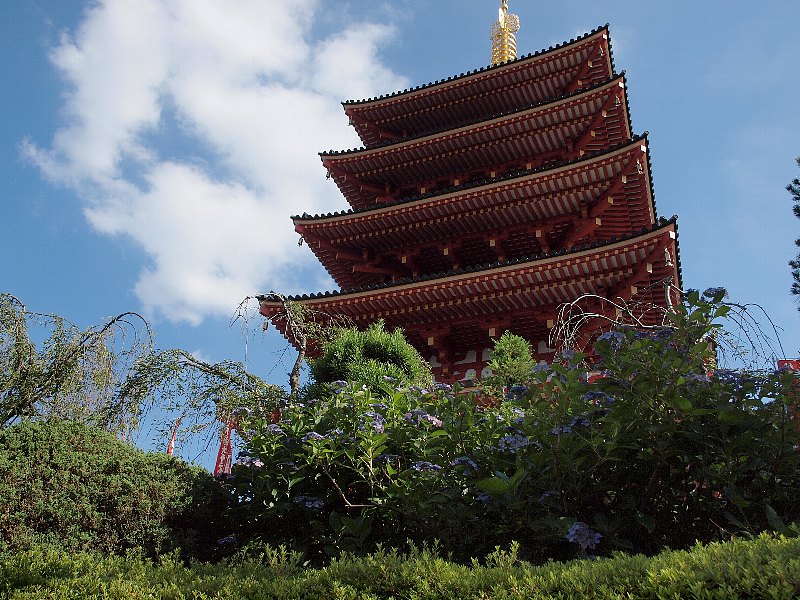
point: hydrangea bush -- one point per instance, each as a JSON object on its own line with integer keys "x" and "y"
{"x": 660, "y": 451}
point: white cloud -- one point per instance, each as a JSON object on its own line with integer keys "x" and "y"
{"x": 253, "y": 96}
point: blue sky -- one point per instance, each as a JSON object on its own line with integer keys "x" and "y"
{"x": 153, "y": 150}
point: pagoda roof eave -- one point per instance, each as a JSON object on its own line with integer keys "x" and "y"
{"x": 604, "y": 29}
{"x": 388, "y": 144}
{"x": 539, "y": 134}
{"x": 580, "y": 64}
{"x": 307, "y": 219}
{"x": 615, "y": 188}
{"x": 272, "y": 302}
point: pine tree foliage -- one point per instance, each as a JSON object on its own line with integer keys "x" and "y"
{"x": 370, "y": 356}
{"x": 794, "y": 189}
{"x": 512, "y": 359}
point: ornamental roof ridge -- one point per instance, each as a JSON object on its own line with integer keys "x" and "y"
{"x": 660, "y": 223}
{"x": 479, "y": 182}
{"x": 498, "y": 115}
{"x": 488, "y": 68}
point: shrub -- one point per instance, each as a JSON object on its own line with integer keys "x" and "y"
{"x": 80, "y": 488}
{"x": 657, "y": 453}
{"x": 369, "y": 356}
{"x": 765, "y": 567}
{"x": 512, "y": 360}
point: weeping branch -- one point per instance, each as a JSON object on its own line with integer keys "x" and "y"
{"x": 75, "y": 372}
{"x": 304, "y": 327}
{"x": 749, "y": 340}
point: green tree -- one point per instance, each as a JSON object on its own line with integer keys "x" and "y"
{"x": 111, "y": 376}
{"x": 369, "y": 356}
{"x": 74, "y": 373}
{"x": 794, "y": 189}
{"x": 512, "y": 360}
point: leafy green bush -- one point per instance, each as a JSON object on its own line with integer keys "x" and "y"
{"x": 657, "y": 453}
{"x": 764, "y": 567}
{"x": 512, "y": 360}
{"x": 369, "y": 356}
{"x": 80, "y": 488}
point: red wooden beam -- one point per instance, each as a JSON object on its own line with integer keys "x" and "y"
{"x": 576, "y": 81}
{"x": 375, "y": 269}
{"x": 592, "y": 222}
{"x": 601, "y": 114}
{"x": 382, "y": 133}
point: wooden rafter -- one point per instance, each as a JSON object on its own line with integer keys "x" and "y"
{"x": 580, "y": 144}
{"x": 576, "y": 81}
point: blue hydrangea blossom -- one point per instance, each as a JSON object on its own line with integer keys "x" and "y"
{"x": 580, "y": 534}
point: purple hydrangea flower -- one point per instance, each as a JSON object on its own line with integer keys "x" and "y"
{"x": 733, "y": 378}
{"x": 579, "y": 422}
{"x": 424, "y": 465}
{"x": 470, "y": 467}
{"x": 614, "y": 338}
{"x": 250, "y": 462}
{"x": 512, "y": 443}
{"x": 313, "y": 436}
{"x": 516, "y": 392}
{"x": 580, "y": 534}
{"x": 658, "y": 334}
{"x": 698, "y": 378}
{"x": 391, "y": 459}
{"x": 229, "y": 540}
{"x": 339, "y": 386}
{"x": 436, "y": 422}
{"x": 374, "y": 420}
{"x": 310, "y": 502}
{"x": 275, "y": 429}
{"x": 420, "y": 415}
{"x": 568, "y": 354}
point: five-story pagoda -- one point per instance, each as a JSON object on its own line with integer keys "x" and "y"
{"x": 484, "y": 202}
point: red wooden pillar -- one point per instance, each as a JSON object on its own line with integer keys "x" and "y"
{"x": 225, "y": 454}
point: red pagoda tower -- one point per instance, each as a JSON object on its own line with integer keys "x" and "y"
{"x": 484, "y": 202}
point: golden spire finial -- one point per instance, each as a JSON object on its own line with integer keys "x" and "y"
{"x": 504, "y": 42}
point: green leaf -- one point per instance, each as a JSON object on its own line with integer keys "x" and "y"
{"x": 683, "y": 403}
{"x": 775, "y": 522}
{"x": 438, "y": 433}
{"x": 735, "y": 521}
{"x": 494, "y": 485}
{"x": 645, "y": 521}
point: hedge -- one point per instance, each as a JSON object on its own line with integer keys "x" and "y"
{"x": 80, "y": 488}
{"x": 764, "y": 567}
